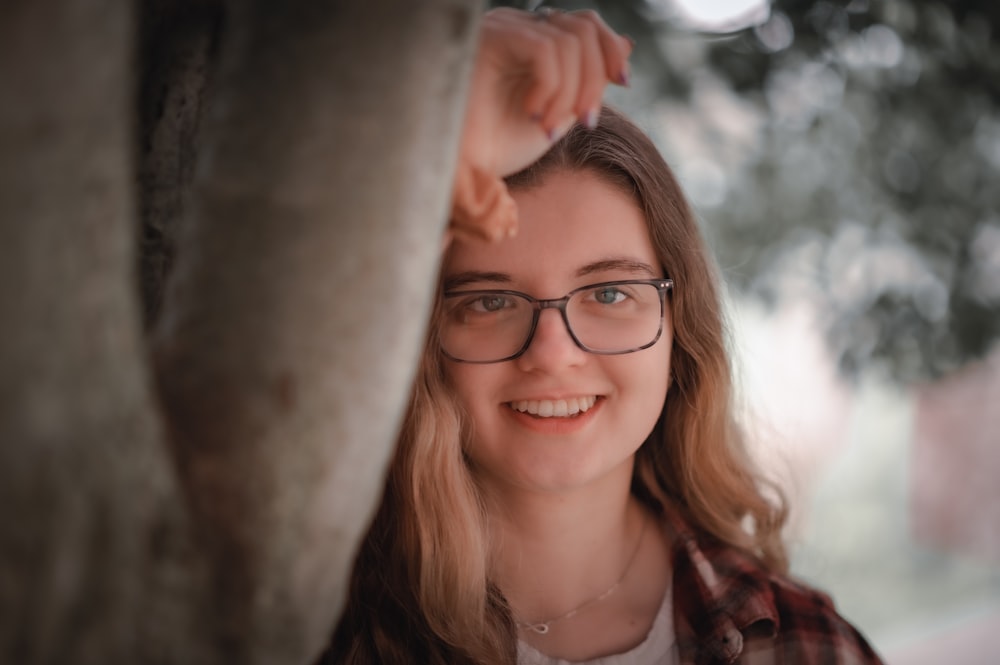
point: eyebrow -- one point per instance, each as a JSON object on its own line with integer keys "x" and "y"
{"x": 466, "y": 277}
{"x": 460, "y": 279}
{"x": 620, "y": 265}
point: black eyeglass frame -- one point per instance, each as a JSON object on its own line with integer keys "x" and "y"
{"x": 662, "y": 286}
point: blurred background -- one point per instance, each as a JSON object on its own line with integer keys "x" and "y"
{"x": 843, "y": 158}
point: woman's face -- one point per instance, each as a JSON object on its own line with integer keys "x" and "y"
{"x": 575, "y": 230}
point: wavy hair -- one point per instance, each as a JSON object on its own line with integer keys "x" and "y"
{"x": 420, "y": 590}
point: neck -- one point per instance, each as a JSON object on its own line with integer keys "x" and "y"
{"x": 556, "y": 551}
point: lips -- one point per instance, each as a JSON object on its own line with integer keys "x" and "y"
{"x": 559, "y": 408}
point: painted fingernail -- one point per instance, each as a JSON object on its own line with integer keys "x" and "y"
{"x": 624, "y": 76}
{"x": 561, "y": 129}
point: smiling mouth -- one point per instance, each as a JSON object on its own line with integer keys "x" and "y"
{"x": 559, "y": 408}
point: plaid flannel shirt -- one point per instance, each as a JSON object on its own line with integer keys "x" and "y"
{"x": 728, "y": 608}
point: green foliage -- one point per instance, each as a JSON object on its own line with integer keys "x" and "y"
{"x": 846, "y": 153}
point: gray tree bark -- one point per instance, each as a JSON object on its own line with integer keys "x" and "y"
{"x": 291, "y": 330}
{"x": 90, "y": 524}
{"x": 306, "y": 257}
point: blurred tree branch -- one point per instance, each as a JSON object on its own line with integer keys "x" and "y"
{"x": 836, "y": 124}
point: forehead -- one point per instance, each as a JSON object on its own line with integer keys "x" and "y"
{"x": 572, "y": 220}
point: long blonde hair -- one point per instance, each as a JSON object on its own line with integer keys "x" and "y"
{"x": 421, "y": 591}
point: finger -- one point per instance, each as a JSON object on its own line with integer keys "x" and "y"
{"x": 528, "y": 42}
{"x": 592, "y": 78}
{"x": 553, "y": 95}
{"x": 547, "y": 77}
{"x": 615, "y": 48}
{"x": 532, "y": 43}
{"x": 561, "y": 109}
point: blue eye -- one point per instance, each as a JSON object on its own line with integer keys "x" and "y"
{"x": 489, "y": 303}
{"x": 609, "y": 295}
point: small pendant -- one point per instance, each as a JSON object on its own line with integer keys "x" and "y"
{"x": 540, "y": 628}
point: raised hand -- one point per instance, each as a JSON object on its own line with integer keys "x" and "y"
{"x": 535, "y": 75}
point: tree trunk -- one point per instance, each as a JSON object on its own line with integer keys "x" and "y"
{"x": 288, "y": 338}
{"x": 294, "y": 320}
{"x": 95, "y": 563}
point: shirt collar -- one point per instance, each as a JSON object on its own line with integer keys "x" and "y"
{"x": 720, "y": 594}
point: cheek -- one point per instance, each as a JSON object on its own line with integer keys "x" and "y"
{"x": 655, "y": 381}
{"x": 456, "y": 380}
{"x": 468, "y": 385}
{"x": 658, "y": 379}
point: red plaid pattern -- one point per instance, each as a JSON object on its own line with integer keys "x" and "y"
{"x": 728, "y": 608}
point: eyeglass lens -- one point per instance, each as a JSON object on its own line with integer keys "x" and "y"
{"x": 489, "y": 326}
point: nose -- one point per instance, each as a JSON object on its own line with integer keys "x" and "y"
{"x": 551, "y": 347}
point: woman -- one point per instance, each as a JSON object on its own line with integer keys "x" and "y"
{"x": 570, "y": 485}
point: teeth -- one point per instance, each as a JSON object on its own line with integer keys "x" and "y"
{"x": 560, "y": 408}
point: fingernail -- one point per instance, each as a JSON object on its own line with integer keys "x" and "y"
{"x": 624, "y": 76}
{"x": 631, "y": 42}
{"x": 560, "y": 130}
{"x": 589, "y": 119}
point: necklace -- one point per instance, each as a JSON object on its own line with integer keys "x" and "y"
{"x": 542, "y": 627}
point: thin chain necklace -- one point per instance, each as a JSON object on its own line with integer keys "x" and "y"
{"x": 542, "y": 627}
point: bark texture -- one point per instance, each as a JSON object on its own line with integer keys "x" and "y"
{"x": 293, "y": 168}
{"x": 177, "y": 53}
{"x": 95, "y": 563}
{"x": 300, "y": 294}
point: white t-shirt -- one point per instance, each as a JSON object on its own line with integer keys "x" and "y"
{"x": 659, "y": 647}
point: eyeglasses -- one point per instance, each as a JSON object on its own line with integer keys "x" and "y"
{"x": 609, "y": 318}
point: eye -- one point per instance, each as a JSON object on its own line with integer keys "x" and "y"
{"x": 483, "y": 306}
{"x": 609, "y": 295}
{"x": 489, "y": 303}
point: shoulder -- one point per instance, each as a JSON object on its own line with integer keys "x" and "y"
{"x": 730, "y": 608}
{"x": 808, "y": 628}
